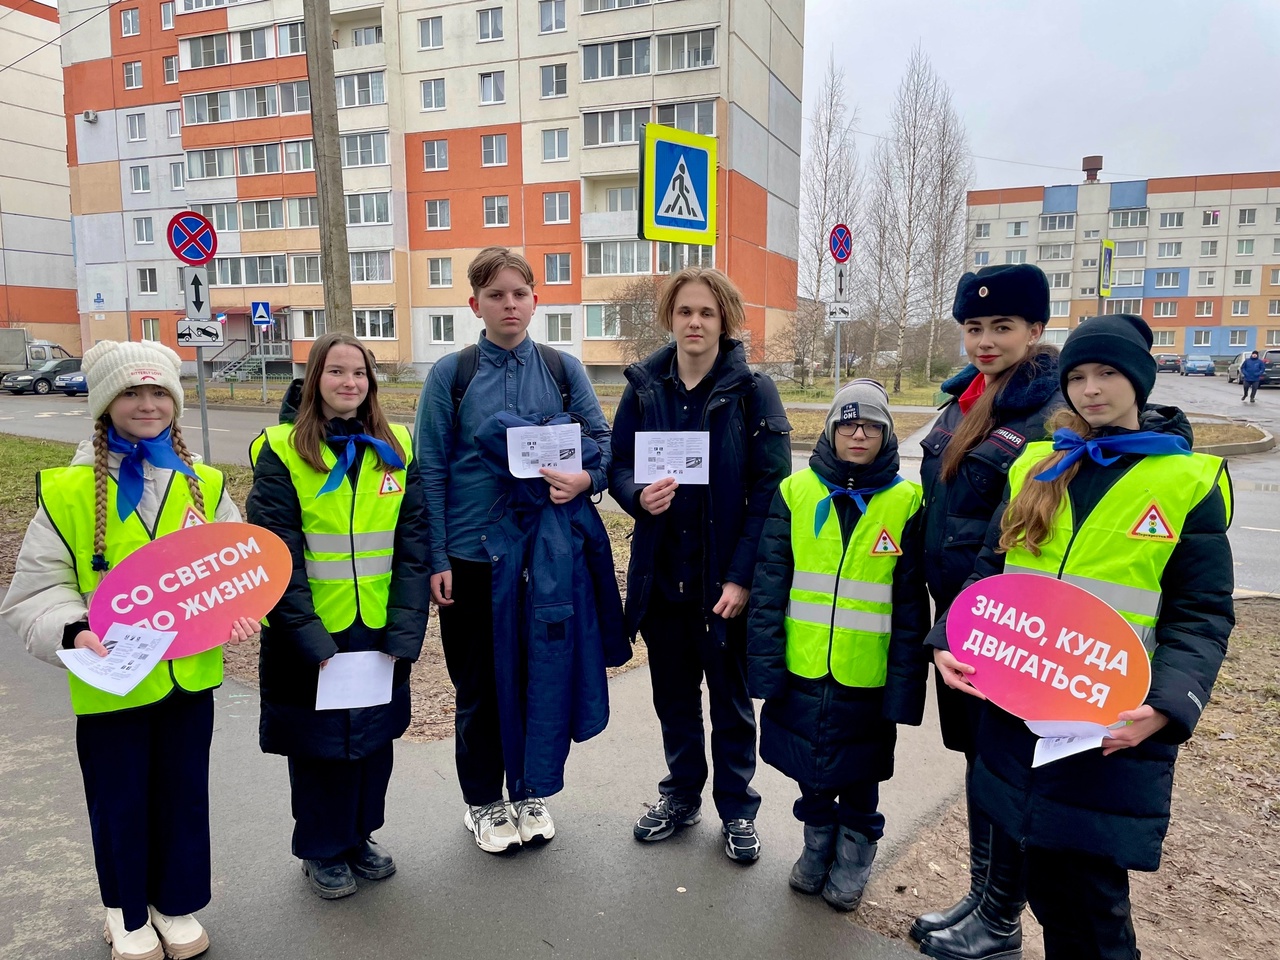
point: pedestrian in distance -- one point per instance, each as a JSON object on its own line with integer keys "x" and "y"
{"x": 838, "y": 615}
{"x": 505, "y": 371}
{"x": 693, "y": 550}
{"x": 1251, "y": 372}
{"x": 144, "y": 755}
{"x": 1118, "y": 504}
{"x": 999, "y": 403}
{"x": 340, "y": 486}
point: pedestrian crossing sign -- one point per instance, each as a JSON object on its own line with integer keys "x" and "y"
{"x": 677, "y": 185}
{"x": 1152, "y": 525}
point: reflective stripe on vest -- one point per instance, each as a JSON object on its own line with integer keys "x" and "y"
{"x": 67, "y": 495}
{"x": 1104, "y": 556}
{"x": 840, "y": 609}
{"x": 349, "y": 534}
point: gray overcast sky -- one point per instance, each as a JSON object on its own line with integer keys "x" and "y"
{"x": 1158, "y": 87}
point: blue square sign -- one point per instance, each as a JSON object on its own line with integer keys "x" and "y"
{"x": 260, "y": 311}
{"x": 678, "y": 184}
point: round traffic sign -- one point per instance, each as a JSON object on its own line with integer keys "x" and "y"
{"x": 841, "y": 242}
{"x": 192, "y": 238}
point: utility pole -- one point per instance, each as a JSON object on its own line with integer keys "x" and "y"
{"x": 335, "y": 263}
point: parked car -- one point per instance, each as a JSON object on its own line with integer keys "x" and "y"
{"x": 71, "y": 383}
{"x": 1270, "y": 362}
{"x": 1198, "y": 363}
{"x": 1168, "y": 361}
{"x": 40, "y": 379}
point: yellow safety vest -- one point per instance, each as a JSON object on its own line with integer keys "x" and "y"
{"x": 840, "y": 613}
{"x": 349, "y": 534}
{"x": 67, "y": 495}
{"x": 1121, "y": 549}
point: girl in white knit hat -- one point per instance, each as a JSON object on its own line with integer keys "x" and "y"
{"x": 145, "y": 755}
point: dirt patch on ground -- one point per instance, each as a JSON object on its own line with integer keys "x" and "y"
{"x": 1217, "y": 893}
{"x": 1212, "y": 433}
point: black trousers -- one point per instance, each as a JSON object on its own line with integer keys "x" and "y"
{"x": 466, "y": 632}
{"x": 1250, "y": 387}
{"x": 337, "y": 804}
{"x": 854, "y": 805}
{"x": 1083, "y": 904}
{"x": 680, "y": 655}
{"x": 146, "y": 779}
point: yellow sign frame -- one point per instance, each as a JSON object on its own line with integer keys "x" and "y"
{"x": 1106, "y": 257}
{"x": 652, "y": 193}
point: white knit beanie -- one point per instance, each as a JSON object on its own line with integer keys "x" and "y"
{"x": 111, "y": 367}
{"x": 862, "y": 399}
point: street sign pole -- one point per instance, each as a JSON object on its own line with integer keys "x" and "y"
{"x": 262, "y": 360}
{"x": 204, "y": 406}
{"x": 194, "y": 241}
{"x": 841, "y": 245}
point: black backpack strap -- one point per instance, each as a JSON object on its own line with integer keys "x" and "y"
{"x": 464, "y": 373}
{"x": 554, "y": 361}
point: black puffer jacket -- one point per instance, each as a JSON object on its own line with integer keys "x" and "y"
{"x": 821, "y": 732}
{"x": 1116, "y": 807}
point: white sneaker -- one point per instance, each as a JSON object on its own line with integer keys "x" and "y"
{"x": 140, "y": 944}
{"x": 492, "y": 827}
{"x": 533, "y": 820}
{"x": 182, "y": 937}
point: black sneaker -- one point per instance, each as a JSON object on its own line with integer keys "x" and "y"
{"x": 665, "y": 817}
{"x": 330, "y": 878}
{"x": 741, "y": 842}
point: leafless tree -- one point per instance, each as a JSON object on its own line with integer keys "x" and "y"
{"x": 635, "y": 307}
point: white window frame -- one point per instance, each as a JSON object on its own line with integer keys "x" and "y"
{"x": 148, "y": 281}
{"x": 173, "y": 122}
{"x": 1242, "y": 278}
{"x": 1015, "y": 256}
{"x": 363, "y": 316}
{"x": 599, "y": 57}
{"x": 309, "y": 323}
{"x": 1201, "y": 338}
{"x": 1211, "y": 218}
{"x": 496, "y": 83}
{"x": 1206, "y": 278}
{"x": 429, "y": 89}
{"x": 559, "y": 266}
{"x": 557, "y": 323}
{"x": 618, "y": 252}
{"x": 622, "y": 199}
{"x": 178, "y": 175}
{"x": 981, "y": 258}
{"x": 166, "y": 16}
{"x": 1162, "y": 338}
{"x": 1017, "y": 228}
{"x": 291, "y": 39}
{"x": 1128, "y": 219}
{"x": 1131, "y": 305}
{"x": 1208, "y": 248}
{"x": 438, "y": 210}
{"x": 1128, "y": 278}
{"x": 687, "y": 50}
{"x": 1092, "y": 234}
{"x": 361, "y": 89}
{"x": 255, "y": 40}
{"x": 982, "y": 231}
{"x": 1138, "y": 248}
{"x": 171, "y": 68}
{"x": 439, "y": 332}
{"x": 1059, "y": 308}
{"x": 607, "y": 128}
{"x": 558, "y": 74}
{"x": 142, "y": 230}
{"x": 557, "y": 138}
{"x": 435, "y": 155}
{"x": 295, "y": 97}
{"x": 1204, "y": 308}
{"x": 1237, "y": 338}
{"x": 1050, "y": 222}
{"x": 497, "y": 210}
{"x": 1054, "y": 251}
{"x": 1273, "y": 310}
{"x": 1167, "y": 280}
{"x": 151, "y": 329}
{"x": 371, "y": 266}
{"x": 298, "y": 156}
{"x": 1059, "y": 281}
{"x": 377, "y": 143}
{"x": 373, "y": 207}
{"x": 493, "y": 150}
{"x": 133, "y": 75}
{"x": 130, "y": 22}
{"x": 1244, "y": 247}
{"x": 294, "y": 215}
{"x": 610, "y": 321}
{"x": 1169, "y": 250}
{"x": 1171, "y": 221}
{"x": 140, "y": 178}
{"x": 431, "y": 29}
{"x": 310, "y": 268}
{"x": 1164, "y": 308}
{"x": 555, "y": 207}
{"x": 261, "y": 215}
{"x": 676, "y": 256}
{"x": 366, "y": 36}
{"x": 489, "y": 25}
{"x": 1239, "y": 308}
{"x": 136, "y": 127}
{"x": 551, "y": 16}
{"x": 440, "y": 272}
{"x": 258, "y": 159}
{"x": 1248, "y": 216}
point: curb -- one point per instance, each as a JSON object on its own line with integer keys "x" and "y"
{"x": 1267, "y": 442}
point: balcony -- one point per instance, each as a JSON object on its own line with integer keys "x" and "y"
{"x": 606, "y": 226}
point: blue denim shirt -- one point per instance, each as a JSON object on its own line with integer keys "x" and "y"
{"x": 462, "y": 495}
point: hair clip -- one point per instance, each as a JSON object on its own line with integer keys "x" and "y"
{"x": 99, "y": 563}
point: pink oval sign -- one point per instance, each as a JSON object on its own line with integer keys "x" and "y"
{"x": 196, "y": 581}
{"x": 1044, "y": 649}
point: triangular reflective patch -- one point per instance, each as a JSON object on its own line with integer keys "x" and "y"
{"x": 885, "y": 545}
{"x": 390, "y": 485}
{"x": 680, "y": 200}
{"x": 1152, "y": 525}
{"x": 192, "y": 518}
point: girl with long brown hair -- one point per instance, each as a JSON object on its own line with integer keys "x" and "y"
{"x": 339, "y": 484}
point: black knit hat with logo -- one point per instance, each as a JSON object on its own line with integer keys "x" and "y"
{"x": 1121, "y": 341}
{"x": 1008, "y": 290}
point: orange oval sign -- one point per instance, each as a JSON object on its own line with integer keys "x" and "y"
{"x": 196, "y": 581}
{"x": 1044, "y": 649}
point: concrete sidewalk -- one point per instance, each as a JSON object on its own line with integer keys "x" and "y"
{"x": 592, "y": 893}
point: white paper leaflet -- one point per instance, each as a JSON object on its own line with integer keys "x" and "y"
{"x": 134, "y": 651}
{"x": 685, "y": 455}
{"x": 529, "y": 449}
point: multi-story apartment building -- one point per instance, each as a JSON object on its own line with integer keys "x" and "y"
{"x": 37, "y": 275}
{"x": 461, "y": 124}
{"x": 1197, "y": 257}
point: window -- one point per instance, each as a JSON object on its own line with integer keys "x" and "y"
{"x": 137, "y": 125}
{"x": 982, "y": 258}
{"x": 490, "y": 23}
{"x": 140, "y": 177}
{"x": 614, "y": 257}
{"x": 1058, "y": 221}
{"x": 442, "y": 328}
{"x": 591, "y": 6}
{"x": 1242, "y": 278}
{"x": 1089, "y": 263}
{"x": 1273, "y": 310}
{"x": 1273, "y": 338}
{"x": 1167, "y": 279}
{"x": 497, "y": 212}
{"x": 150, "y": 328}
{"x": 366, "y": 36}
{"x": 133, "y": 75}
{"x": 433, "y": 94}
{"x": 1055, "y": 251}
{"x": 440, "y": 272}
{"x": 1169, "y": 249}
{"x": 142, "y": 230}
{"x": 1206, "y": 278}
{"x": 677, "y": 256}
{"x": 1165, "y": 308}
{"x": 1059, "y": 281}
{"x": 1237, "y": 338}
{"x": 259, "y": 158}
{"x": 1210, "y": 218}
{"x": 370, "y": 266}
{"x": 1018, "y": 228}
{"x": 1239, "y": 308}
{"x": 227, "y": 272}
{"x": 1128, "y": 218}
{"x": 614, "y": 126}
{"x": 130, "y": 24}
{"x": 603, "y": 321}
{"x": 1275, "y": 246}
{"x": 306, "y": 268}
{"x": 555, "y": 207}
{"x": 686, "y": 51}
{"x": 1244, "y": 248}
{"x": 1125, "y": 306}
{"x": 299, "y": 155}
{"x": 1200, "y": 338}
{"x": 361, "y": 89}
{"x": 559, "y": 328}
{"x": 1208, "y": 248}
{"x": 1131, "y": 248}
{"x": 262, "y": 215}
{"x": 1055, "y": 337}
{"x": 1204, "y": 308}
{"x": 364, "y": 149}
{"x": 550, "y": 16}
{"x": 166, "y": 16}
{"x": 1248, "y": 216}
{"x": 493, "y": 150}
{"x": 252, "y": 44}
{"x": 555, "y": 80}
{"x": 982, "y": 231}
{"x": 206, "y": 108}
{"x": 1092, "y": 234}
{"x": 1162, "y": 338}
{"x": 1275, "y": 278}
{"x": 1088, "y": 291}
{"x": 431, "y": 33}
{"x": 173, "y": 122}
{"x": 311, "y": 322}
{"x": 435, "y": 155}
{"x": 555, "y": 144}
{"x": 209, "y": 51}
{"x": 625, "y": 58}
{"x": 437, "y": 214}
{"x": 295, "y": 97}
{"x": 177, "y": 175}
{"x": 375, "y": 324}
{"x": 254, "y": 102}
{"x": 147, "y": 280}
{"x": 1060, "y": 308}
{"x": 621, "y": 199}
{"x": 493, "y": 87}
{"x": 291, "y": 38}
{"x": 365, "y": 208}
{"x": 303, "y": 211}
{"x": 1127, "y": 278}
{"x": 170, "y": 69}
{"x": 1170, "y": 221}
{"x": 1015, "y": 256}
{"x": 556, "y": 268}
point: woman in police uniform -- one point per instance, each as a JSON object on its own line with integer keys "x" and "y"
{"x": 1119, "y": 504}
{"x": 339, "y": 484}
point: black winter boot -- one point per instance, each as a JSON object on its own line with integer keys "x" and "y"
{"x": 993, "y": 931}
{"x": 979, "y": 860}
{"x": 851, "y": 870}
{"x": 810, "y": 871}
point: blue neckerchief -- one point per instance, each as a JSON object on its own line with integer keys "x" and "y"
{"x": 159, "y": 452}
{"x": 1145, "y": 442}
{"x": 348, "y": 456}
{"x": 859, "y": 497}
